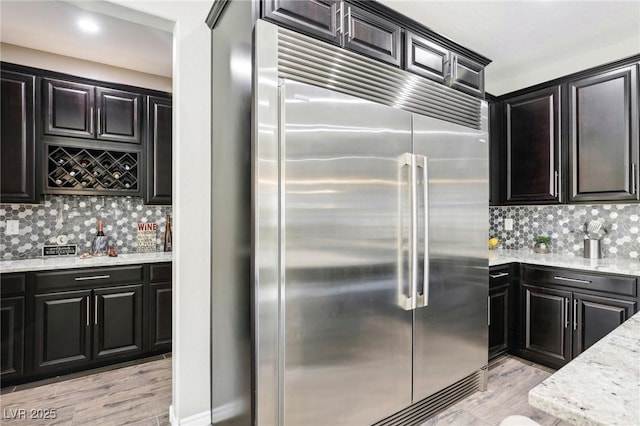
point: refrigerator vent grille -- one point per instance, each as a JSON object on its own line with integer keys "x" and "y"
{"x": 421, "y": 411}
{"x": 315, "y": 62}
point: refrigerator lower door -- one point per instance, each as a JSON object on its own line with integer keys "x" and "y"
{"x": 345, "y": 349}
{"x": 450, "y": 334}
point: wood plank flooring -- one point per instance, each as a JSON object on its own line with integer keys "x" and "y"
{"x": 508, "y": 385}
{"x": 138, "y": 394}
{"x": 141, "y": 394}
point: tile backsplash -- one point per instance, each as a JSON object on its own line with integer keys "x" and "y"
{"x": 558, "y": 222}
{"x": 77, "y": 217}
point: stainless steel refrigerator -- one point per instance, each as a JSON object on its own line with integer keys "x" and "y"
{"x": 369, "y": 212}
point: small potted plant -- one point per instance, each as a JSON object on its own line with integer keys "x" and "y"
{"x": 543, "y": 244}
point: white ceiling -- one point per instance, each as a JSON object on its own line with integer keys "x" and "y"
{"x": 529, "y": 41}
{"x": 51, "y": 26}
{"x": 535, "y": 40}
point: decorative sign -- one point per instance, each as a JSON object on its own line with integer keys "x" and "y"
{"x": 65, "y": 250}
{"x": 147, "y": 237}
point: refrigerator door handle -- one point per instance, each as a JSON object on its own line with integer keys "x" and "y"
{"x": 409, "y": 302}
{"x": 423, "y": 298}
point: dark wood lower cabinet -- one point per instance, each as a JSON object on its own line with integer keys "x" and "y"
{"x": 60, "y": 322}
{"x": 565, "y": 312}
{"x": 62, "y": 329}
{"x": 547, "y": 332}
{"x": 595, "y": 317}
{"x": 498, "y": 320}
{"x": 12, "y": 333}
{"x": 160, "y": 296}
{"x": 117, "y": 321}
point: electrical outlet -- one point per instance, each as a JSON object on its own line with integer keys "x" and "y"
{"x": 508, "y": 224}
{"x": 13, "y": 227}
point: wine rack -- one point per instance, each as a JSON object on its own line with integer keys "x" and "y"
{"x": 80, "y": 169}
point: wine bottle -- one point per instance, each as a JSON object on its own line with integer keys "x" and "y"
{"x": 168, "y": 235}
{"x": 100, "y": 242}
{"x": 127, "y": 183}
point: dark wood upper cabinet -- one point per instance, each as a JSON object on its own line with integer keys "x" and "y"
{"x": 594, "y": 317}
{"x": 119, "y": 115}
{"x": 465, "y": 75}
{"x": 17, "y": 138}
{"x": 85, "y": 111}
{"x": 533, "y": 147}
{"x": 68, "y": 108}
{"x": 117, "y": 321}
{"x": 371, "y": 35}
{"x": 159, "y": 151}
{"x": 318, "y": 18}
{"x": 496, "y": 153}
{"x": 425, "y": 57}
{"x": 603, "y": 135}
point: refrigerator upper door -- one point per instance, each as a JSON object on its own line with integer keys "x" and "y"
{"x": 345, "y": 352}
{"x": 450, "y": 337}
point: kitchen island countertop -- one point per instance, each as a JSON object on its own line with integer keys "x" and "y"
{"x": 599, "y": 387}
{"x": 615, "y": 265}
{"x": 73, "y": 262}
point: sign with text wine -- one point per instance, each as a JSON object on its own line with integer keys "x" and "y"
{"x": 147, "y": 234}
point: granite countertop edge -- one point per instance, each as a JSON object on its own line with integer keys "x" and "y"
{"x": 74, "y": 262}
{"x": 612, "y": 265}
{"x": 600, "y": 386}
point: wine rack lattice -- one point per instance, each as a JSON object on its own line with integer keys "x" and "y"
{"x": 80, "y": 168}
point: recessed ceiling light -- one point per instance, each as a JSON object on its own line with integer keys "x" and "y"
{"x": 88, "y": 26}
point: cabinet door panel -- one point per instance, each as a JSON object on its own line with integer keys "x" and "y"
{"x": 160, "y": 315}
{"x": 117, "y": 320}
{"x": 314, "y": 17}
{"x": 17, "y": 142}
{"x": 467, "y": 76}
{"x": 12, "y": 332}
{"x": 119, "y": 115}
{"x": 62, "y": 330}
{"x": 546, "y": 324}
{"x": 425, "y": 57}
{"x": 498, "y": 320}
{"x": 68, "y": 108}
{"x": 533, "y": 147}
{"x": 372, "y": 35}
{"x": 595, "y": 317}
{"x": 159, "y": 151}
{"x": 603, "y": 118}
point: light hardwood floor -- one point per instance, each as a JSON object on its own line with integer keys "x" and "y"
{"x": 508, "y": 385}
{"x": 141, "y": 394}
{"x": 138, "y": 394}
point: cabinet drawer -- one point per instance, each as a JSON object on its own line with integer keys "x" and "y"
{"x": 160, "y": 272}
{"x": 614, "y": 284}
{"x": 12, "y": 283}
{"x": 499, "y": 275}
{"x": 46, "y": 281}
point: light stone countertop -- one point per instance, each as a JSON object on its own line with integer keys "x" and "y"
{"x": 73, "y": 262}
{"x": 601, "y": 386}
{"x": 615, "y": 265}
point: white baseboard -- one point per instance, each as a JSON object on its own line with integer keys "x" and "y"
{"x": 200, "y": 419}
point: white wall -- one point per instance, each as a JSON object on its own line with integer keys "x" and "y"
{"x": 191, "y": 204}
{"x": 68, "y": 65}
